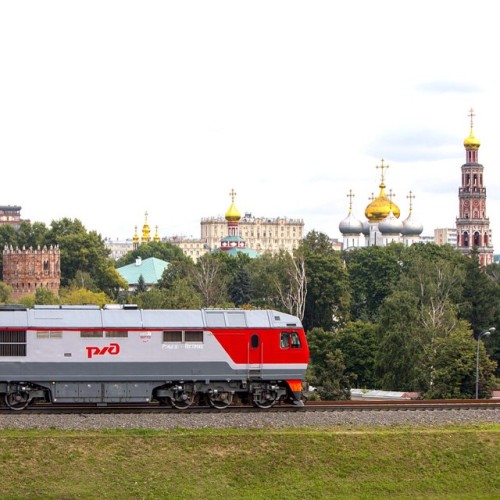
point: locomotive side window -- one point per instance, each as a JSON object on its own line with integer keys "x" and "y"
{"x": 254, "y": 341}
{"x": 118, "y": 334}
{"x": 172, "y": 337}
{"x": 13, "y": 343}
{"x": 183, "y": 336}
{"x": 290, "y": 340}
{"x": 91, "y": 334}
{"x": 99, "y": 334}
{"x": 49, "y": 335}
{"x": 193, "y": 336}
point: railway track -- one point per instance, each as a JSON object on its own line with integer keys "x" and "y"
{"x": 323, "y": 406}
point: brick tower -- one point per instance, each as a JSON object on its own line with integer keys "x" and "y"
{"x": 25, "y": 270}
{"x": 473, "y": 227}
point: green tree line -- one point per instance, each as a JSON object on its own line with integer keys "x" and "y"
{"x": 394, "y": 318}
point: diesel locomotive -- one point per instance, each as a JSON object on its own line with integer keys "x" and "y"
{"x": 123, "y": 354}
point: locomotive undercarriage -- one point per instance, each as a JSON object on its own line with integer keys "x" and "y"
{"x": 180, "y": 394}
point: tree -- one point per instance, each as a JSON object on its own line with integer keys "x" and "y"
{"x": 83, "y": 280}
{"x": 291, "y": 282}
{"x": 159, "y": 250}
{"x": 328, "y": 292}
{"x": 240, "y": 287}
{"x": 44, "y": 296}
{"x": 141, "y": 285}
{"x": 79, "y": 296}
{"x": 398, "y": 360}
{"x": 330, "y": 379}
{"x": 481, "y": 296}
{"x": 373, "y": 272}
{"x": 358, "y": 343}
{"x": 178, "y": 287}
{"x": 5, "y": 292}
{"x": 211, "y": 281}
{"x": 86, "y": 252}
{"x": 453, "y": 360}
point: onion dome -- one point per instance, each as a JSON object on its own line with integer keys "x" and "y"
{"x": 411, "y": 227}
{"x": 380, "y": 207}
{"x": 350, "y": 225}
{"x": 145, "y": 230}
{"x": 232, "y": 214}
{"x": 366, "y": 228}
{"x": 472, "y": 142}
{"x": 390, "y": 225}
{"x": 135, "y": 238}
{"x": 156, "y": 237}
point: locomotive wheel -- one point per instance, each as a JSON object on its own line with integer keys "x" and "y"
{"x": 220, "y": 400}
{"x": 264, "y": 399}
{"x": 17, "y": 400}
{"x": 182, "y": 400}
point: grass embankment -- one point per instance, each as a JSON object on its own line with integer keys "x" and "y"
{"x": 450, "y": 462}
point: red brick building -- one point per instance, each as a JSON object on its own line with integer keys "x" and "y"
{"x": 25, "y": 270}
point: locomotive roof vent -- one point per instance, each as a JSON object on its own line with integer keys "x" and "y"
{"x": 80, "y": 306}
{"x": 13, "y": 307}
{"x": 119, "y": 306}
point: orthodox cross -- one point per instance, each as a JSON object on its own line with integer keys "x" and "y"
{"x": 472, "y": 115}
{"x": 391, "y": 196}
{"x": 411, "y": 197}
{"x": 382, "y": 167}
{"x": 232, "y": 194}
{"x": 350, "y": 196}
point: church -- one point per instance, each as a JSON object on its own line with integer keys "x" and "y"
{"x": 382, "y": 225}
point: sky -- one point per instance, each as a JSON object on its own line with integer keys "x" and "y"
{"x": 111, "y": 109}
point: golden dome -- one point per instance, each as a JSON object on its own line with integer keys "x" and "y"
{"x": 381, "y": 206}
{"x": 471, "y": 142}
{"x": 145, "y": 230}
{"x": 232, "y": 214}
{"x": 135, "y": 238}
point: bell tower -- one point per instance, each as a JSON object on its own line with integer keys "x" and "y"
{"x": 473, "y": 226}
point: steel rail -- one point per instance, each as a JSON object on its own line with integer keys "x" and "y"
{"x": 323, "y": 406}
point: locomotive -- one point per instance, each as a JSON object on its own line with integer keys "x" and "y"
{"x": 123, "y": 354}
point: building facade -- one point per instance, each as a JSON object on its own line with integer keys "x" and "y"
{"x": 473, "y": 225}
{"x": 11, "y": 215}
{"x": 25, "y": 270}
{"x": 445, "y": 236}
{"x": 262, "y": 234}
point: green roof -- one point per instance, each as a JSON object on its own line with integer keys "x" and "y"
{"x": 151, "y": 270}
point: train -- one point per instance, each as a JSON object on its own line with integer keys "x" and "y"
{"x": 123, "y": 354}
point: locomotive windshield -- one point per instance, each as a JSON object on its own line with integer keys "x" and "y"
{"x": 290, "y": 340}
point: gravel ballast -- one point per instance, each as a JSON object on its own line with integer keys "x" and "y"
{"x": 277, "y": 420}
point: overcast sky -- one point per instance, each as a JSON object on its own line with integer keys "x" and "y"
{"x": 109, "y": 109}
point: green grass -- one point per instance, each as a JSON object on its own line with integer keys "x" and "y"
{"x": 369, "y": 463}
